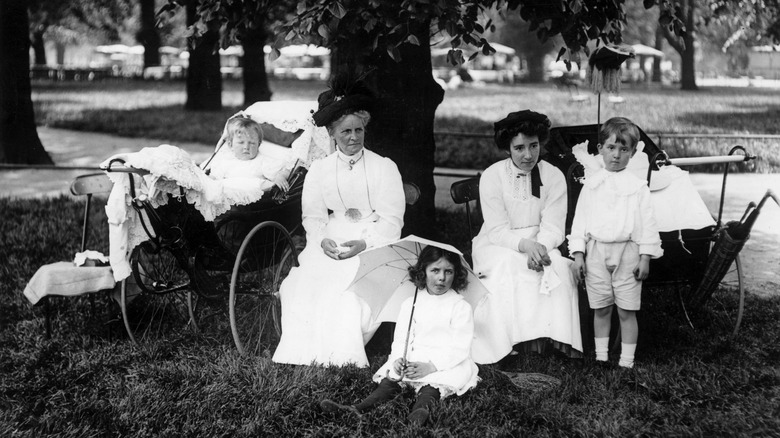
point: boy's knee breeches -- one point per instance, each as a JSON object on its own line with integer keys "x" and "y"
{"x": 610, "y": 279}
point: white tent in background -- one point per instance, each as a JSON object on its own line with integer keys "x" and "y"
{"x": 643, "y": 50}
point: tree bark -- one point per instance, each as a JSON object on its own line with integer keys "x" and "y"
{"x": 39, "y": 49}
{"x": 688, "y": 78}
{"x": 686, "y": 48}
{"x": 255, "y": 78}
{"x": 204, "y": 80}
{"x": 401, "y": 126}
{"x": 19, "y": 141}
{"x": 148, "y": 35}
{"x": 659, "y": 45}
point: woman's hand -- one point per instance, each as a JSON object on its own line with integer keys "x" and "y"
{"x": 354, "y": 247}
{"x": 642, "y": 269}
{"x": 399, "y": 366}
{"x": 418, "y": 370}
{"x": 536, "y": 253}
{"x": 281, "y": 181}
{"x": 330, "y": 248}
{"x": 579, "y": 267}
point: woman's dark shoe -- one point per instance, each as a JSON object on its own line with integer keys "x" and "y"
{"x": 418, "y": 416}
{"x": 331, "y": 407}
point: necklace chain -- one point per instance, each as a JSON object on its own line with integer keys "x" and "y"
{"x": 353, "y": 214}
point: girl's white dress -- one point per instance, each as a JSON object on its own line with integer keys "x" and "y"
{"x": 528, "y": 305}
{"x": 323, "y": 322}
{"x": 441, "y": 332}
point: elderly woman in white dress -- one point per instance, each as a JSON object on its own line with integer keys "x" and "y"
{"x": 533, "y": 292}
{"x": 352, "y": 200}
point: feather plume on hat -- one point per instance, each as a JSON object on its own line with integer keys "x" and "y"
{"x": 345, "y": 95}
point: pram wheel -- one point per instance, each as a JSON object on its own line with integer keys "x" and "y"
{"x": 161, "y": 301}
{"x": 265, "y": 258}
{"x": 728, "y": 300}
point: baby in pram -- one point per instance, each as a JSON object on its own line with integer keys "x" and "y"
{"x": 243, "y": 137}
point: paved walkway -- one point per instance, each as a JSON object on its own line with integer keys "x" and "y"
{"x": 73, "y": 148}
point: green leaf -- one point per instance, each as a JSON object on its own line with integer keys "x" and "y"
{"x": 338, "y": 10}
{"x": 413, "y": 40}
{"x": 394, "y": 53}
{"x": 274, "y": 55}
{"x": 323, "y": 31}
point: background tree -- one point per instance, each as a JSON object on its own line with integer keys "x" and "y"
{"x": 148, "y": 35}
{"x": 66, "y": 22}
{"x": 759, "y": 18}
{"x": 515, "y": 32}
{"x": 204, "y": 79}
{"x": 19, "y": 141}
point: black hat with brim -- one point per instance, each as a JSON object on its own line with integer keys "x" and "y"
{"x": 345, "y": 95}
{"x": 610, "y": 57}
{"x": 332, "y": 106}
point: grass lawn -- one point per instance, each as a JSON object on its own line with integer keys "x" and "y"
{"x": 89, "y": 380}
{"x": 155, "y": 110}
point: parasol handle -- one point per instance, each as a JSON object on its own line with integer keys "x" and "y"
{"x": 408, "y": 332}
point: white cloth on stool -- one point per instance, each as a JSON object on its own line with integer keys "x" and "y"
{"x": 65, "y": 279}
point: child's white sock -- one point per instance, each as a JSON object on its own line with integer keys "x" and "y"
{"x": 602, "y": 348}
{"x": 627, "y": 355}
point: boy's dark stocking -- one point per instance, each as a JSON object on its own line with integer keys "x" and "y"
{"x": 421, "y": 408}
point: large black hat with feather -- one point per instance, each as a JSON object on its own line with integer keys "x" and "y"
{"x": 345, "y": 96}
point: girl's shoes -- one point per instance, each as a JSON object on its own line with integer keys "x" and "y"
{"x": 331, "y": 407}
{"x": 418, "y": 416}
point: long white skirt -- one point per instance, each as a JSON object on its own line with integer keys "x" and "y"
{"x": 323, "y": 323}
{"x": 519, "y": 306}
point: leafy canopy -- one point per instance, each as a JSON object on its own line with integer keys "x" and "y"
{"x": 387, "y": 24}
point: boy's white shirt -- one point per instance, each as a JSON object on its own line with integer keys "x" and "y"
{"x": 615, "y": 207}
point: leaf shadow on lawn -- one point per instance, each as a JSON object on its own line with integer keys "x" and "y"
{"x": 170, "y": 123}
{"x": 749, "y": 120}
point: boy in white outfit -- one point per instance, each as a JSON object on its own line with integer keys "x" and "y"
{"x": 614, "y": 225}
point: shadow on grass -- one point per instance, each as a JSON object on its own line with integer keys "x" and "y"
{"x": 170, "y": 123}
{"x": 749, "y": 120}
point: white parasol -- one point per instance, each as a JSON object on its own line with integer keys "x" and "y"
{"x": 382, "y": 279}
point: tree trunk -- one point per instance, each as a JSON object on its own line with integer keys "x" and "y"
{"x": 688, "y": 79}
{"x": 536, "y": 67}
{"x": 659, "y": 45}
{"x": 401, "y": 125}
{"x": 255, "y": 78}
{"x": 39, "y": 49}
{"x": 204, "y": 80}
{"x": 148, "y": 35}
{"x": 19, "y": 142}
{"x": 686, "y": 48}
{"x": 60, "y": 46}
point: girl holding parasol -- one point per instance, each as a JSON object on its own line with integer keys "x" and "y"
{"x": 431, "y": 349}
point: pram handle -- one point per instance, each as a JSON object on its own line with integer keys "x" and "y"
{"x": 123, "y": 168}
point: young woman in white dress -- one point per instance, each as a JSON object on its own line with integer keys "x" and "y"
{"x": 352, "y": 200}
{"x": 524, "y": 202}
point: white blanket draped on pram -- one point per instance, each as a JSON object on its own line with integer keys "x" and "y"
{"x": 676, "y": 203}
{"x": 171, "y": 172}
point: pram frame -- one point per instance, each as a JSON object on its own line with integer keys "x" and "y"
{"x": 192, "y": 290}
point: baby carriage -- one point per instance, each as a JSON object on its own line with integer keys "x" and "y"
{"x": 197, "y": 265}
{"x": 701, "y": 254}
